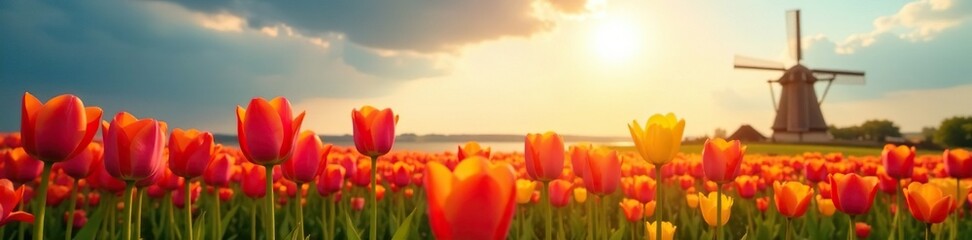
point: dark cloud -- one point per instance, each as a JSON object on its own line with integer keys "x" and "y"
{"x": 154, "y": 59}
{"x": 415, "y": 25}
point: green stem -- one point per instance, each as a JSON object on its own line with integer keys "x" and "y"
{"x": 374, "y": 197}
{"x": 718, "y": 211}
{"x": 272, "y": 234}
{"x": 850, "y": 229}
{"x": 958, "y": 189}
{"x": 41, "y": 202}
{"x": 300, "y": 212}
{"x": 253, "y": 227}
{"x": 787, "y": 236}
{"x": 129, "y": 187}
{"x": 72, "y": 204}
{"x": 188, "y": 206}
{"x": 548, "y": 231}
{"x": 898, "y": 202}
{"x": 138, "y": 215}
{"x": 590, "y": 221}
{"x": 219, "y": 216}
{"x": 173, "y": 228}
{"x": 928, "y": 231}
{"x": 21, "y": 226}
{"x": 658, "y": 201}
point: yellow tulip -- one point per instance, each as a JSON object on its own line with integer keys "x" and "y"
{"x": 692, "y": 200}
{"x": 524, "y": 190}
{"x": 580, "y": 195}
{"x": 708, "y": 206}
{"x": 668, "y": 230}
{"x": 949, "y": 188}
{"x": 659, "y": 141}
{"x": 825, "y": 206}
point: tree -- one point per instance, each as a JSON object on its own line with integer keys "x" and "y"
{"x": 955, "y": 132}
{"x": 846, "y": 133}
{"x": 879, "y": 130}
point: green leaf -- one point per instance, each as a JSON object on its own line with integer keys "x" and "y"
{"x": 94, "y": 224}
{"x": 228, "y": 216}
{"x": 199, "y": 230}
{"x": 405, "y": 230}
{"x": 617, "y": 235}
{"x": 349, "y": 228}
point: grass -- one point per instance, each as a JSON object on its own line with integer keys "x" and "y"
{"x": 795, "y": 149}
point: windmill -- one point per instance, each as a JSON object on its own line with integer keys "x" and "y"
{"x": 798, "y": 115}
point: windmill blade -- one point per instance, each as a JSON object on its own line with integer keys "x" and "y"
{"x": 758, "y": 64}
{"x": 793, "y": 35}
{"x": 840, "y": 76}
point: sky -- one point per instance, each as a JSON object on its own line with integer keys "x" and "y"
{"x": 585, "y": 67}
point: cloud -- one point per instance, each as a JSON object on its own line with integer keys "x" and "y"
{"x": 921, "y": 20}
{"x": 157, "y": 59}
{"x": 406, "y": 25}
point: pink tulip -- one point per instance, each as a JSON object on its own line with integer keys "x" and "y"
{"x": 133, "y": 148}
{"x": 305, "y": 163}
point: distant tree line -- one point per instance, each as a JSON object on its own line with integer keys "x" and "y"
{"x": 951, "y": 133}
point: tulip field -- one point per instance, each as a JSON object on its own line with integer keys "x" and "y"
{"x": 74, "y": 172}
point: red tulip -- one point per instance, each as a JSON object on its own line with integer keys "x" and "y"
{"x": 472, "y": 149}
{"x": 633, "y": 210}
{"x": 9, "y": 198}
{"x": 267, "y": 130}
{"x": 305, "y": 163}
{"x": 56, "y": 194}
{"x": 220, "y": 170}
{"x": 254, "y": 181}
{"x": 476, "y": 201}
{"x": 853, "y": 194}
{"x": 179, "y": 195}
{"x": 80, "y": 218}
{"x": 374, "y": 130}
{"x": 357, "y": 203}
{"x": 401, "y": 174}
{"x": 544, "y": 156}
{"x": 599, "y": 167}
{"x": 559, "y": 191}
{"x": 225, "y": 194}
{"x": 82, "y": 165}
{"x": 721, "y": 159}
{"x": 815, "y": 171}
{"x": 190, "y": 152}
{"x": 762, "y": 204}
{"x": 958, "y": 163}
{"x": 133, "y": 148}
{"x": 899, "y": 161}
{"x": 862, "y": 230}
{"x": 59, "y": 129}
{"x": 21, "y": 168}
{"x": 331, "y": 180}
{"x": 746, "y": 186}
{"x": 643, "y": 188}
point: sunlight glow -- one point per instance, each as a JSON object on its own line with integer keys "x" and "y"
{"x": 616, "y": 39}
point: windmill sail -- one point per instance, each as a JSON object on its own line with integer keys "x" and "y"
{"x": 793, "y": 35}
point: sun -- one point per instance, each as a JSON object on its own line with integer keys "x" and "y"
{"x": 616, "y": 39}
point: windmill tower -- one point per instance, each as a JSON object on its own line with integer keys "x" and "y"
{"x": 798, "y": 114}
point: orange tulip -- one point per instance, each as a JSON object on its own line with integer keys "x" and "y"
{"x": 792, "y": 198}
{"x": 81, "y": 165}
{"x": 633, "y": 209}
{"x": 721, "y": 159}
{"x": 599, "y": 167}
{"x": 472, "y": 149}
{"x": 374, "y": 130}
{"x": 267, "y": 130}
{"x": 476, "y": 201}
{"x": 9, "y": 198}
{"x": 899, "y": 161}
{"x": 331, "y": 180}
{"x": 853, "y": 194}
{"x": 927, "y": 202}
{"x": 133, "y": 148}
{"x": 59, "y": 129}
{"x": 650, "y": 209}
{"x": 190, "y": 152}
{"x": 544, "y": 156}
{"x": 958, "y": 163}
{"x": 305, "y": 163}
{"x": 21, "y": 168}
